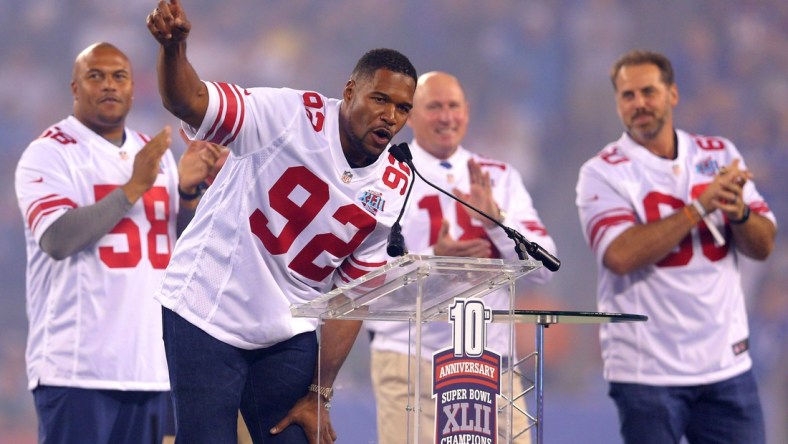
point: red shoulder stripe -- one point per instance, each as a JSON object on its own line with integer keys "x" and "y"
{"x": 209, "y": 134}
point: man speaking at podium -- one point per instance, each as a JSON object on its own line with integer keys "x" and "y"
{"x": 434, "y": 224}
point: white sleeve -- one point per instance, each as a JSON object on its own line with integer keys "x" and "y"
{"x": 44, "y": 187}
{"x": 246, "y": 120}
{"x": 368, "y": 257}
{"x": 604, "y": 213}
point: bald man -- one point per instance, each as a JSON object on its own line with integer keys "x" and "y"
{"x": 99, "y": 203}
{"x": 439, "y": 120}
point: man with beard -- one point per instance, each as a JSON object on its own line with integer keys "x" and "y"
{"x": 650, "y": 204}
{"x": 285, "y": 221}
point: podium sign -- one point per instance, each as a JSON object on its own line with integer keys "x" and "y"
{"x": 420, "y": 289}
{"x": 466, "y": 378}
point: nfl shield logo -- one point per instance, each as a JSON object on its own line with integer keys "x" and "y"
{"x": 347, "y": 176}
{"x": 124, "y": 155}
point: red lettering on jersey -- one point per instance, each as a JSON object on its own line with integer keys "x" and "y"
{"x": 395, "y": 174}
{"x": 159, "y": 227}
{"x": 651, "y": 204}
{"x": 710, "y": 249}
{"x": 613, "y": 156}
{"x": 682, "y": 256}
{"x": 57, "y": 134}
{"x": 432, "y": 205}
{"x": 314, "y": 101}
{"x": 710, "y": 143}
{"x": 300, "y": 215}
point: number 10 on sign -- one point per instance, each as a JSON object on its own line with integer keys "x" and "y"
{"x": 469, "y": 318}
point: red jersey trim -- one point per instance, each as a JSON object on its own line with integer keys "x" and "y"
{"x": 233, "y": 117}
{"x": 218, "y": 114}
{"x": 601, "y": 222}
{"x": 44, "y": 206}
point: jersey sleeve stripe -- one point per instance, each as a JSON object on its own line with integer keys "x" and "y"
{"x": 231, "y": 109}
{"x": 351, "y": 272}
{"x": 143, "y": 137}
{"x": 601, "y": 223}
{"x": 44, "y": 206}
{"x": 759, "y": 207}
{"x": 366, "y": 264}
{"x": 535, "y": 227}
{"x": 218, "y": 114}
{"x": 354, "y": 268}
{"x": 41, "y": 217}
{"x": 230, "y": 119}
{"x": 240, "y": 98}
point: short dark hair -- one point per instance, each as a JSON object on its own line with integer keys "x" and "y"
{"x": 384, "y": 58}
{"x": 642, "y": 57}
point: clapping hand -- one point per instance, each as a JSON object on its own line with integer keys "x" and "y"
{"x": 200, "y": 163}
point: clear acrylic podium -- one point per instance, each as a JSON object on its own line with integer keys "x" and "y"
{"x": 420, "y": 289}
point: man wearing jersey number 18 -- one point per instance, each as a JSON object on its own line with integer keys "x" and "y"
{"x": 666, "y": 214}
{"x": 436, "y": 224}
{"x": 286, "y": 220}
{"x": 99, "y": 202}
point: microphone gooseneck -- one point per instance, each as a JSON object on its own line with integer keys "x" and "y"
{"x": 522, "y": 245}
{"x": 396, "y": 241}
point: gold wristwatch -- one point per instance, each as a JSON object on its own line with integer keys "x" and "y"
{"x": 325, "y": 392}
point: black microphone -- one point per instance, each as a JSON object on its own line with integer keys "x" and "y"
{"x": 396, "y": 241}
{"x": 522, "y": 245}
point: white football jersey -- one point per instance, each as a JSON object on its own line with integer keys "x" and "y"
{"x": 285, "y": 220}
{"x": 428, "y": 207}
{"x": 93, "y": 321}
{"x": 697, "y": 328}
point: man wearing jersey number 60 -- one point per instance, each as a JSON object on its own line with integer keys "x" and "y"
{"x": 287, "y": 218}
{"x": 666, "y": 214}
{"x": 100, "y": 203}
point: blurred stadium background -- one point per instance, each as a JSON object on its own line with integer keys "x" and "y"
{"x": 536, "y": 74}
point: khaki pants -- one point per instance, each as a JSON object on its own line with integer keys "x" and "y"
{"x": 390, "y": 383}
{"x": 243, "y": 432}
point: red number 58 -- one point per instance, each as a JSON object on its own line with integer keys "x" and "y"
{"x": 158, "y": 227}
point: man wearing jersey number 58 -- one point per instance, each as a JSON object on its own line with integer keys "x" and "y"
{"x": 666, "y": 214}
{"x": 99, "y": 202}
{"x": 305, "y": 200}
